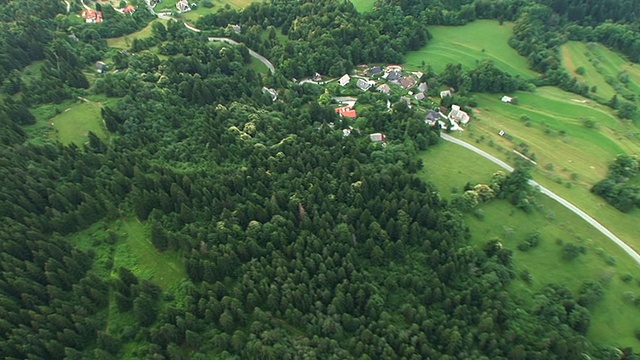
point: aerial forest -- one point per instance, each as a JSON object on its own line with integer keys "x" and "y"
{"x": 297, "y": 242}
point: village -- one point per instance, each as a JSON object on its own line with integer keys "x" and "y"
{"x": 393, "y": 79}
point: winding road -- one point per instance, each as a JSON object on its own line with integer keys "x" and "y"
{"x": 230, "y": 41}
{"x": 606, "y": 232}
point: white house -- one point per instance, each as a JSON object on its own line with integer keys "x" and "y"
{"x": 384, "y": 88}
{"x": 506, "y": 99}
{"x": 364, "y": 84}
{"x": 445, "y": 93}
{"x": 458, "y": 115}
{"x": 378, "y": 137}
{"x": 182, "y": 6}
{"x": 344, "y": 80}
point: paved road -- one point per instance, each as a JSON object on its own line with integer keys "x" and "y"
{"x": 552, "y": 195}
{"x": 260, "y": 58}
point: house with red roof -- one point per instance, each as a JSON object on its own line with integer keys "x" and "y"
{"x": 347, "y": 111}
{"x": 91, "y": 16}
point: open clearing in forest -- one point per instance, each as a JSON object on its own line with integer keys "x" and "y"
{"x": 133, "y": 250}
{"x": 468, "y": 44}
{"x": 73, "y": 124}
{"x": 363, "y": 5}
{"x": 138, "y": 254}
{"x": 448, "y": 165}
{"x": 577, "y": 55}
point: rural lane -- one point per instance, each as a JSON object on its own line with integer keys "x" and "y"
{"x": 254, "y": 54}
{"x": 261, "y": 58}
{"x": 606, "y": 232}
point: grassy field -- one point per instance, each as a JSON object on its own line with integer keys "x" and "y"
{"x": 363, "y": 5}
{"x": 193, "y": 15}
{"x": 576, "y": 54}
{"x": 448, "y": 165}
{"x": 73, "y": 125}
{"x": 124, "y": 42}
{"x": 68, "y": 122}
{"x": 571, "y": 157}
{"x": 479, "y": 40}
{"x": 612, "y": 64}
{"x": 138, "y": 254}
{"x": 133, "y": 250}
{"x": 552, "y": 123}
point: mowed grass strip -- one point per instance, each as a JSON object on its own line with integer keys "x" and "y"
{"x": 575, "y": 55}
{"x": 447, "y": 165}
{"x": 363, "y": 5}
{"x": 469, "y": 44}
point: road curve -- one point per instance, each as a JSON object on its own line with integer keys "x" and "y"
{"x": 260, "y": 58}
{"x": 606, "y": 232}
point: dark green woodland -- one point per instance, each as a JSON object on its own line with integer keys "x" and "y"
{"x": 298, "y": 242}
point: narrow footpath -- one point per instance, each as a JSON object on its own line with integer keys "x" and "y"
{"x": 606, "y": 232}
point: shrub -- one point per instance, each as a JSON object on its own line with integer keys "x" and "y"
{"x": 626, "y": 278}
{"x": 526, "y": 276}
{"x": 524, "y": 246}
{"x": 479, "y": 214}
{"x": 208, "y": 4}
{"x": 571, "y": 251}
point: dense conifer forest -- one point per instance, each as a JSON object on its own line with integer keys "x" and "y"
{"x": 298, "y": 242}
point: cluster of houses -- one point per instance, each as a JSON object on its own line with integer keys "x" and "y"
{"x": 91, "y": 16}
{"x": 393, "y": 74}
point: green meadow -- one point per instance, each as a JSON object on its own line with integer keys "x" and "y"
{"x": 68, "y": 122}
{"x": 363, "y": 5}
{"x": 193, "y": 15}
{"x": 577, "y": 55}
{"x": 569, "y": 134}
{"x": 124, "y": 42}
{"x": 126, "y": 243}
{"x": 571, "y": 157}
{"x": 613, "y": 64}
{"x": 449, "y": 166}
{"x": 469, "y": 44}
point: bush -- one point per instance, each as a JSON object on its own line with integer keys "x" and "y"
{"x": 571, "y": 251}
{"x": 208, "y": 4}
{"x": 526, "y": 276}
{"x": 626, "y": 278}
